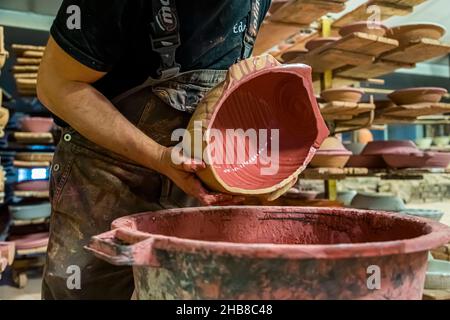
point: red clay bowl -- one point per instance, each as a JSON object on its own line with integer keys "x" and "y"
{"x": 265, "y": 97}
{"x": 390, "y": 147}
{"x": 319, "y": 42}
{"x": 35, "y": 185}
{"x": 374, "y": 28}
{"x": 418, "y": 95}
{"x": 366, "y": 161}
{"x": 414, "y": 32}
{"x": 418, "y": 160}
{"x": 343, "y": 95}
{"x": 36, "y": 124}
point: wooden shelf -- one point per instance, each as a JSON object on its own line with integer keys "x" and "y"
{"x": 305, "y": 12}
{"x": 378, "y": 68}
{"x": 31, "y": 164}
{"x": 32, "y": 194}
{"x": 419, "y": 51}
{"x": 344, "y": 110}
{"x": 29, "y": 137}
{"x": 354, "y": 50}
{"x": 413, "y": 111}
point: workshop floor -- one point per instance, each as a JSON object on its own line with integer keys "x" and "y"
{"x": 33, "y": 289}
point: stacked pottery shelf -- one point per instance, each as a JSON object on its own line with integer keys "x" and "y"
{"x": 281, "y": 34}
{"x": 26, "y": 68}
{"x": 28, "y": 154}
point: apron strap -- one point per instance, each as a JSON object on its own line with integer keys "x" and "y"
{"x": 252, "y": 29}
{"x": 165, "y": 36}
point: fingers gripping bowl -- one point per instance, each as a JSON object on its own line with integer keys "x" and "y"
{"x": 259, "y": 129}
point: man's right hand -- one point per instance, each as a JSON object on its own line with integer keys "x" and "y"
{"x": 183, "y": 174}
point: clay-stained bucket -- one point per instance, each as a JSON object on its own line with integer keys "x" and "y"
{"x": 273, "y": 253}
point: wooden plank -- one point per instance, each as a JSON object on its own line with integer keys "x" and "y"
{"x": 19, "y": 49}
{"x": 32, "y": 54}
{"x": 416, "y": 110}
{"x": 366, "y": 43}
{"x": 29, "y": 137}
{"x": 411, "y": 3}
{"x": 332, "y": 59}
{"x": 361, "y": 13}
{"x": 419, "y": 51}
{"x": 28, "y": 61}
{"x": 31, "y": 164}
{"x": 305, "y": 12}
{"x": 271, "y": 34}
{"x": 25, "y": 69}
{"x": 436, "y": 294}
{"x": 379, "y": 68}
{"x": 32, "y": 194}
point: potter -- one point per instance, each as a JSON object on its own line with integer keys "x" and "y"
{"x": 186, "y": 310}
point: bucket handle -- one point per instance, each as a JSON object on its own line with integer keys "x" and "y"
{"x": 124, "y": 247}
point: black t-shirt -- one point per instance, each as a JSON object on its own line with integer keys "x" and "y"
{"x": 114, "y": 37}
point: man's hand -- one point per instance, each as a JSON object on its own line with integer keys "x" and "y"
{"x": 183, "y": 175}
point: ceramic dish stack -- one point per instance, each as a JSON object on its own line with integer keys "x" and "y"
{"x": 398, "y": 155}
{"x": 26, "y": 68}
{"x": 332, "y": 154}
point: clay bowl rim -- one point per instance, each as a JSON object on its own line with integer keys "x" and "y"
{"x": 397, "y": 31}
{"x": 342, "y": 90}
{"x": 283, "y": 69}
{"x": 379, "y": 26}
{"x": 436, "y": 236}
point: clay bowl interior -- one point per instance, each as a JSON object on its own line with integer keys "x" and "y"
{"x": 279, "y": 100}
{"x": 342, "y": 94}
{"x": 36, "y": 124}
{"x": 319, "y": 42}
{"x": 276, "y": 225}
{"x": 418, "y": 95}
{"x": 377, "y": 29}
{"x": 414, "y": 32}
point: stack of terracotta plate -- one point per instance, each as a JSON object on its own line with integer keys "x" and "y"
{"x": 26, "y": 68}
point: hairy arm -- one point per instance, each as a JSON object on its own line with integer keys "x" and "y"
{"x": 64, "y": 87}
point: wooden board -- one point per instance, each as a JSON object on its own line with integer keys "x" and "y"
{"x": 332, "y": 59}
{"x": 31, "y": 164}
{"x": 25, "y": 69}
{"x": 304, "y": 12}
{"x": 416, "y": 110}
{"x": 347, "y": 108}
{"x": 19, "y": 49}
{"x": 32, "y": 194}
{"x": 29, "y": 137}
{"x": 35, "y": 156}
{"x": 436, "y": 294}
{"x": 418, "y": 51}
{"x": 271, "y": 34}
{"x": 366, "y": 43}
{"x": 332, "y": 173}
{"x": 377, "y": 69}
{"x": 29, "y": 61}
{"x": 387, "y": 10}
{"x": 33, "y": 54}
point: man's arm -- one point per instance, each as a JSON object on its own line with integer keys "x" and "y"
{"x": 64, "y": 87}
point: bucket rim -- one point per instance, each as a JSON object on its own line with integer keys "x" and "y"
{"x": 438, "y": 234}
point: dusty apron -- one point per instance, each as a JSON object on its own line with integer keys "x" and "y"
{"x": 90, "y": 186}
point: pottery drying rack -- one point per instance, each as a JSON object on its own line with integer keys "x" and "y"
{"x": 27, "y": 65}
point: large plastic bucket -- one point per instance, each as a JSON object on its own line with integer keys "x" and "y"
{"x": 273, "y": 253}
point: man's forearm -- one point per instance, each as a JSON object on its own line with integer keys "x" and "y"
{"x": 93, "y": 116}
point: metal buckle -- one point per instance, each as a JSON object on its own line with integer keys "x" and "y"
{"x": 166, "y": 48}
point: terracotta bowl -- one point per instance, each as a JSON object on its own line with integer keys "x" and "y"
{"x": 319, "y": 42}
{"x": 342, "y": 94}
{"x": 389, "y": 147}
{"x": 418, "y": 160}
{"x": 261, "y": 96}
{"x": 292, "y": 55}
{"x": 413, "y": 32}
{"x": 329, "y": 161}
{"x": 374, "y": 28}
{"x": 363, "y": 161}
{"x": 35, "y": 185}
{"x": 418, "y": 95}
{"x": 32, "y": 241}
{"x": 36, "y": 124}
